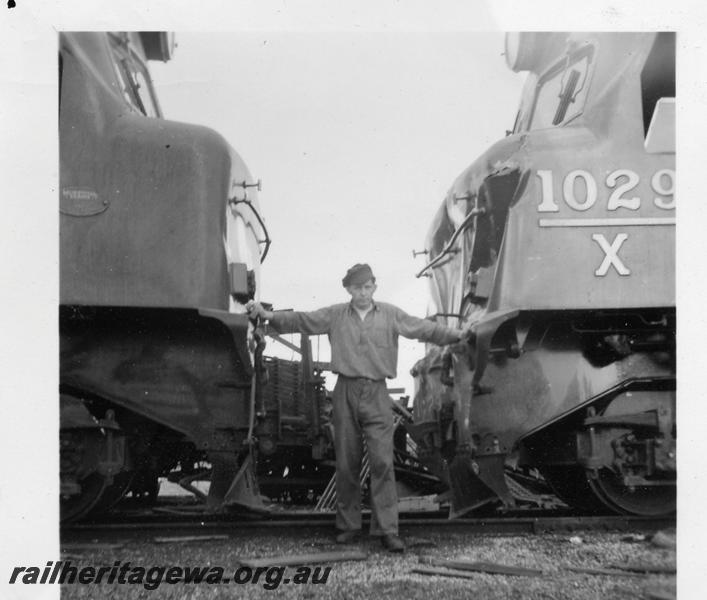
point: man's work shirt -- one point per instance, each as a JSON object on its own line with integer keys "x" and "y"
{"x": 368, "y": 347}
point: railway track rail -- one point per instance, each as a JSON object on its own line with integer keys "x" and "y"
{"x": 521, "y": 522}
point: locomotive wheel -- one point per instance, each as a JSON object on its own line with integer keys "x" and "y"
{"x": 114, "y": 492}
{"x": 609, "y": 486}
{"x": 647, "y": 501}
{"x": 80, "y": 449}
{"x": 77, "y": 506}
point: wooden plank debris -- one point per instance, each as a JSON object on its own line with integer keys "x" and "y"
{"x": 600, "y": 571}
{"x": 415, "y": 542}
{"x": 484, "y": 567}
{"x": 442, "y": 572}
{"x": 302, "y": 559}
{"x": 77, "y": 547}
{"x": 660, "y": 595}
{"x": 189, "y": 538}
{"x": 645, "y": 568}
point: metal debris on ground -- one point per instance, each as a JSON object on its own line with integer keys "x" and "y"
{"x": 575, "y": 539}
{"x": 664, "y": 538}
{"x": 484, "y": 567}
{"x": 523, "y": 495}
{"x": 418, "y": 503}
{"x": 634, "y": 538}
{"x": 189, "y": 538}
{"x": 302, "y": 559}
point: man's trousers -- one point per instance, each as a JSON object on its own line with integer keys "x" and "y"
{"x": 363, "y": 407}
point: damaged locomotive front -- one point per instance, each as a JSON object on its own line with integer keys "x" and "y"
{"x": 161, "y": 243}
{"x": 558, "y": 246}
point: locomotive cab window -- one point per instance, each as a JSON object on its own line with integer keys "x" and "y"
{"x": 135, "y": 83}
{"x": 562, "y": 91}
{"x": 658, "y": 76}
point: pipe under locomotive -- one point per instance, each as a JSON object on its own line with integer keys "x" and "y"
{"x": 161, "y": 241}
{"x": 558, "y": 245}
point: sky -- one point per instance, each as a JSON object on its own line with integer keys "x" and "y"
{"x": 356, "y": 137}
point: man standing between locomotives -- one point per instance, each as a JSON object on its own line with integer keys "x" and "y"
{"x": 364, "y": 352}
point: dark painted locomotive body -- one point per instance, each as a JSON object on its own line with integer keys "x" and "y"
{"x": 558, "y": 246}
{"x": 161, "y": 241}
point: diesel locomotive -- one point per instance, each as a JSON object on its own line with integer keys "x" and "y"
{"x": 161, "y": 242}
{"x": 557, "y": 246}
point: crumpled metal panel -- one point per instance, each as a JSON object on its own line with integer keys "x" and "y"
{"x": 173, "y": 367}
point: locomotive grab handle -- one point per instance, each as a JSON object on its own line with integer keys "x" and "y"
{"x": 233, "y": 202}
{"x": 245, "y": 185}
{"x": 258, "y": 379}
{"x": 448, "y": 249}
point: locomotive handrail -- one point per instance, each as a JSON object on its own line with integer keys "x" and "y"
{"x": 267, "y": 241}
{"x": 475, "y": 212}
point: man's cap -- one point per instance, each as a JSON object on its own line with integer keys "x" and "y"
{"x": 357, "y": 275}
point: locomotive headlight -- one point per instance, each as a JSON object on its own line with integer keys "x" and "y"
{"x": 521, "y": 49}
{"x": 512, "y": 48}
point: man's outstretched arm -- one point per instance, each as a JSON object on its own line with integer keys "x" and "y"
{"x": 429, "y": 331}
{"x": 311, "y": 323}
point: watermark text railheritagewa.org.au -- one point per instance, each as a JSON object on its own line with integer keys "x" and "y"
{"x": 152, "y": 577}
